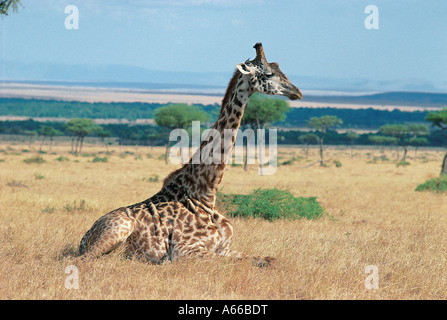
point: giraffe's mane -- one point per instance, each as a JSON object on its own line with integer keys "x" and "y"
{"x": 172, "y": 175}
{"x": 230, "y": 88}
{"x": 225, "y": 101}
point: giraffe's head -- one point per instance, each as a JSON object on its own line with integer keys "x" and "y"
{"x": 267, "y": 77}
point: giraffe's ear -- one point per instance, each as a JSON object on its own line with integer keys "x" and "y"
{"x": 243, "y": 68}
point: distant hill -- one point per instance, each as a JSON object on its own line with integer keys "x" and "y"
{"x": 106, "y": 74}
{"x": 388, "y": 98}
{"x": 13, "y": 71}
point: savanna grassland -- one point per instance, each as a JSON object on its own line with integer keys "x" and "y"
{"x": 373, "y": 217}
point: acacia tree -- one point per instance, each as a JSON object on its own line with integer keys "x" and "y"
{"x": 260, "y": 112}
{"x": 417, "y": 142}
{"x": 382, "y": 140}
{"x": 322, "y": 125}
{"x": 306, "y": 139}
{"x": 178, "y": 116}
{"x": 103, "y": 134}
{"x": 5, "y": 5}
{"x": 80, "y": 128}
{"x": 350, "y": 137}
{"x": 439, "y": 119}
{"x": 31, "y": 134}
{"x": 48, "y": 132}
{"x": 404, "y": 134}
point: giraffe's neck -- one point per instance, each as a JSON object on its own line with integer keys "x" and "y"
{"x": 209, "y": 175}
{"x": 201, "y": 177}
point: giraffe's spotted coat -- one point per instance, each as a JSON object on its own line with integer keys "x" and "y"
{"x": 181, "y": 219}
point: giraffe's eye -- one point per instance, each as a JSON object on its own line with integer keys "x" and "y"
{"x": 270, "y": 75}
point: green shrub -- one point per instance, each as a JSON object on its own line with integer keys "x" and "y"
{"x": 48, "y": 209}
{"x": 35, "y": 159}
{"x": 402, "y": 164}
{"x": 153, "y": 178}
{"x": 86, "y": 155}
{"x": 438, "y": 185}
{"x": 99, "y": 159}
{"x": 62, "y": 159}
{"x": 74, "y": 207}
{"x": 337, "y": 163}
{"x": 39, "y": 176}
{"x": 288, "y": 162}
{"x": 271, "y": 204}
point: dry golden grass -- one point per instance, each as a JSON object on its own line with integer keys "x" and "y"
{"x": 374, "y": 218}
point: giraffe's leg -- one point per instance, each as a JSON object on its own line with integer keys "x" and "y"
{"x": 257, "y": 261}
{"x": 226, "y": 231}
{"x": 107, "y": 233}
{"x": 212, "y": 245}
{"x": 200, "y": 251}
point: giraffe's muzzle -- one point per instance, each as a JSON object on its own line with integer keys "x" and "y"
{"x": 293, "y": 93}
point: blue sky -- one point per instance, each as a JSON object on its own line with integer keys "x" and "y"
{"x": 319, "y": 39}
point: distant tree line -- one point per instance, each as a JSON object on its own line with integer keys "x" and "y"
{"x": 261, "y": 112}
{"x": 370, "y": 119}
{"x": 141, "y": 134}
{"x": 76, "y": 109}
{"x": 353, "y": 118}
{"x": 333, "y": 137}
{"x": 156, "y": 135}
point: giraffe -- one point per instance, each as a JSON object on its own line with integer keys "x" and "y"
{"x": 181, "y": 220}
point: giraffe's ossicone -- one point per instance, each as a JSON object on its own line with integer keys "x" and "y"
{"x": 181, "y": 220}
